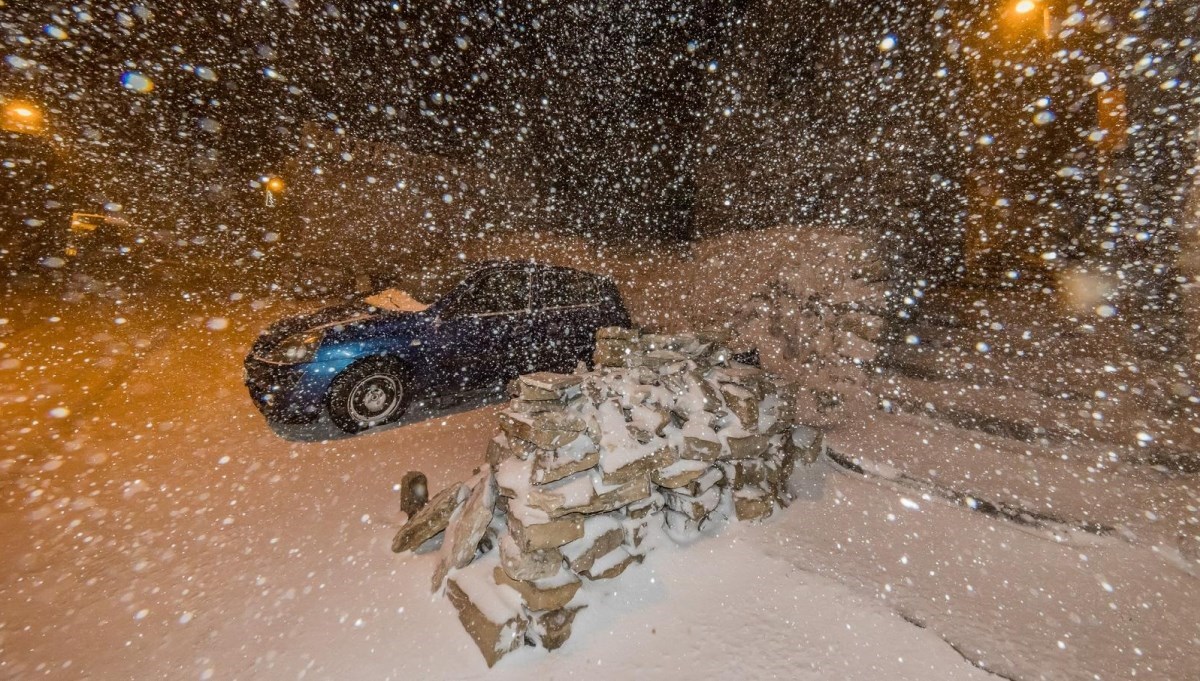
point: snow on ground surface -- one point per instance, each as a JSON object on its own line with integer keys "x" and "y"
{"x": 1077, "y": 485}
{"x": 194, "y": 542}
{"x": 209, "y": 547}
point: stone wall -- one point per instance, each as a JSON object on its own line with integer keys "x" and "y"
{"x": 668, "y": 437}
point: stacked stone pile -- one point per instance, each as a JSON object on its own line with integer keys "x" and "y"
{"x": 667, "y": 432}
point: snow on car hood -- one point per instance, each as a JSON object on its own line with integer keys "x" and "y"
{"x": 395, "y": 300}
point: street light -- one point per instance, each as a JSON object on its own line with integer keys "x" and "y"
{"x": 24, "y": 117}
{"x": 1025, "y": 7}
{"x": 271, "y": 187}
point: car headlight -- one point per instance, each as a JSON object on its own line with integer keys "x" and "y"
{"x": 295, "y": 349}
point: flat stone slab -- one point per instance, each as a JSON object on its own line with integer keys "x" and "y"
{"x": 552, "y": 628}
{"x": 544, "y": 594}
{"x": 602, "y": 535}
{"x": 748, "y": 447}
{"x": 546, "y": 430}
{"x": 548, "y": 535}
{"x": 528, "y": 565}
{"x": 430, "y": 520}
{"x": 494, "y": 622}
{"x": 628, "y": 493}
{"x": 466, "y": 526}
{"x": 547, "y": 386}
{"x": 612, "y": 565}
{"x": 638, "y": 468}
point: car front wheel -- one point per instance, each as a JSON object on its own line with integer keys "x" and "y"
{"x": 366, "y": 395}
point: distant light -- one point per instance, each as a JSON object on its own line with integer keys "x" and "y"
{"x": 1025, "y": 7}
{"x": 23, "y": 112}
{"x": 1043, "y": 118}
{"x": 887, "y": 44}
{"x": 1098, "y": 78}
{"x": 275, "y": 184}
{"x": 132, "y": 80}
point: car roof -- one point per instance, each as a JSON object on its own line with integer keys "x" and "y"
{"x": 479, "y": 265}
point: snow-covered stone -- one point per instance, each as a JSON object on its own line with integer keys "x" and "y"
{"x": 547, "y": 429}
{"x": 601, "y": 535}
{"x": 590, "y": 464}
{"x": 618, "y": 496}
{"x": 550, "y": 593}
{"x": 528, "y": 565}
{"x": 747, "y": 447}
{"x": 467, "y": 526}
{"x": 551, "y": 629}
{"x": 611, "y": 564}
{"x": 576, "y": 456}
{"x": 545, "y": 535}
{"x": 680, "y": 473}
{"x": 493, "y": 617}
{"x": 546, "y": 386}
{"x": 430, "y": 520}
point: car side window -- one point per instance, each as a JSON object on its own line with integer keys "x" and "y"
{"x": 503, "y": 291}
{"x": 565, "y": 289}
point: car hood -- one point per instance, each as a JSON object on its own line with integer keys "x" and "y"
{"x": 347, "y": 314}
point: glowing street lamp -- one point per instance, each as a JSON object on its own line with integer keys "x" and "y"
{"x": 271, "y": 187}
{"x": 24, "y": 117}
{"x": 1025, "y": 7}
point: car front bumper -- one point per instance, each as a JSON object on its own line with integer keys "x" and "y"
{"x": 290, "y": 393}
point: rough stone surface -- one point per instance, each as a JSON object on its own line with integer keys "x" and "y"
{"x": 669, "y": 432}
{"x": 549, "y": 535}
{"x": 546, "y": 386}
{"x": 528, "y": 565}
{"x": 743, "y": 404}
{"x": 612, "y": 565}
{"x": 752, "y": 507}
{"x": 696, "y": 508}
{"x": 552, "y": 466}
{"x": 545, "y": 594}
{"x": 494, "y": 639}
{"x": 641, "y": 468}
{"x": 748, "y": 447}
{"x": 414, "y": 492}
{"x": 634, "y": 490}
{"x": 602, "y": 545}
{"x": 698, "y": 449}
{"x": 467, "y": 526}
{"x": 552, "y": 628}
{"x": 497, "y": 451}
{"x": 674, "y": 476}
{"x": 804, "y": 443}
{"x": 546, "y": 430}
{"x": 429, "y": 521}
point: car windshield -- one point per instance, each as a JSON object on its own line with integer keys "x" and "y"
{"x": 429, "y": 283}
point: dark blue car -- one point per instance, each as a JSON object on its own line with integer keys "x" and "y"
{"x": 439, "y": 332}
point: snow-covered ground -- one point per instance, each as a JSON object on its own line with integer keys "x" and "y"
{"x": 162, "y": 530}
{"x": 153, "y": 525}
{"x": 204, "y": 545}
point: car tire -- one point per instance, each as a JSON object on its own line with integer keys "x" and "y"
{"x": 368, "y": 394}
